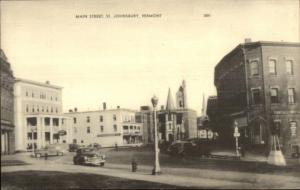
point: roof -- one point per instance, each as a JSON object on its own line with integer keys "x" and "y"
{"x": 170, "y": 103}
{"x": 260, "y": 43}
{"x": 106, "y": 110}
{"x": 38, "y": 83}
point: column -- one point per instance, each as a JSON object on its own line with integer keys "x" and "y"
{"x": 6, "y": 142}
{"x": 38, "y": 133}
{"x": 2, "y": 142}
{"x": 51, "y": 130}
{"x": 43, "y": 131}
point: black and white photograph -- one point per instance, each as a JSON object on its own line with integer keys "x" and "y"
{"x": 150, "y": 94}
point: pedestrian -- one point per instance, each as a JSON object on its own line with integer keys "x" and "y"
{"x": 134, "y": 165}
{"x": 116, "y": 146}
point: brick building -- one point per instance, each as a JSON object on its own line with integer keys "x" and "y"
{"x": 7, "y": 106}
{"x": 258, "y": 85}
{"x": 145, "y": 116}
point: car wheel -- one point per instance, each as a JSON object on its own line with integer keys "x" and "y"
{"x": 37, "y": 155}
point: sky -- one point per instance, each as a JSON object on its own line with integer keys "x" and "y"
{"x": 125, "y": 61}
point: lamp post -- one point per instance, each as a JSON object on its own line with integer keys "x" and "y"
{"x": 156, "y": 169}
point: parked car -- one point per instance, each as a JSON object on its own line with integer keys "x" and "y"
{"x": 74, "y": 147}
{"x": 87, "y": 156}
{"x": 182, "y": 148}
{"x": 49, "y": 150}
{"x": 96, "y": 146}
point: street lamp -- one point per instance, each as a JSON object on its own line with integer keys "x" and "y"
{"x": 156, "y": 169}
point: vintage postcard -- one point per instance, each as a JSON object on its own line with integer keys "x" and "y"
{"x": 150, "y": 94}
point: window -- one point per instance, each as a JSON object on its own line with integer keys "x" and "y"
{"x": 42, "y": 109}
{"x": 114, "y": 117}
{"x": 293, "y": 127}
{"x": 47, "y": 121}
{"x": 38, "y": 109}
{"x": 88, "y": 130}
{"x": 47, "y": 110}
{"x": 75, "y": 130}
{"x": 254, "y": 68}
{"x": 56, "y": 98}
{"x": 274, "y": 95}
{"x": 88, "y": 119}
{"x": 26, "y": 93}
{"x": 289, "y": 67}
{"x": 101, "y": 118}
{"x": 131, "y": 127}
{"x": 33, "y": 95}
{"x": 256, "y": 96}
{"x": 56, "y": 110}
{"x": 51, "y": 109}
{"x": 27, "y": 109}
{"x": 101, "y": 128}
{"x": 82, "y": 141}
{"x": 291, "y": 95}
{"x": 55, "y": 121}
{"x": 272, "y": 66}
{"x": 74, "y": 120}
{"x": 115, "y": 128}
{"x": 33, "y": 109}
{"x": 51, "y": 97}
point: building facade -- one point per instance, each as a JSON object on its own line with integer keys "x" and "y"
{"x": 177, "y": 123}
{"x": 38, "y": 115}
{"x": 258, "y": 85}
{"x": 106, "y": 127}
{"x": 7, "y": 106}
{"x": 145, "y": 116}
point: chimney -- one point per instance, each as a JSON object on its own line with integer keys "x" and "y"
{"x": 247, "y": 40}
{"x": 104, "y": 106}
{"x": 70, "y": 110}
{"x": 75, "y": 109}
{"x": 47, "y": 82}
{"x": 118, "y": 107}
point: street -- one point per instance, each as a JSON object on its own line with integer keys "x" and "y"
{"x": 182, "y": 172}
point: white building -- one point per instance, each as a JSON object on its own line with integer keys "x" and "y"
{"x": 38, "y": 115}
{"x": 106, "y": 127}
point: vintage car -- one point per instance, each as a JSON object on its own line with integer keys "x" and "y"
{"x": 49, "y": 150}
{"x": 96, "y": 146}
{"x": 74, "y": 147}
{"x": 88, "y": 156}
{"x": 182, "y": 148}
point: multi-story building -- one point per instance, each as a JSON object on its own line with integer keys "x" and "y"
{"x": 177, "y": 123}
{"x": 38, "y": 115}
{"x": 7, "y": 106}
{"x": 107, "y": 127}
{"x": 145, "y": 116}
{"x": 258, "y": 85}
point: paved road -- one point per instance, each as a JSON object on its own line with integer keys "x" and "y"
{"x": 186, "y": 177}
